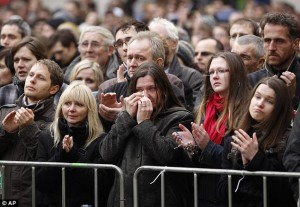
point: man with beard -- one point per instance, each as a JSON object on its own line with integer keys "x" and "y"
{"x": 280, "y": 34}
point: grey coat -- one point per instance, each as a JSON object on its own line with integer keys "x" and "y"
{"x": 21, "y": 146}
{"x": 130, "y": 145}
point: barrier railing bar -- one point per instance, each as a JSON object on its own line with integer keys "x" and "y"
{"x": 96, "y": 186}
{"x": 219, "y": 171}
{"x": 3, "y": 163}
{"x": 265, "y": 191}
{"x": 162, "y": 187}
{"x": 195, "y": 190}
{"x": 63, "y": 190}
{"x": 229, "y": 173}
{"x": 33, "y": 185}
{"x": 229, "y": 191}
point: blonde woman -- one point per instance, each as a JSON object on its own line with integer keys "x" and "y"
{"x": 73, "y": 136}
{"x": 89, "y": 72}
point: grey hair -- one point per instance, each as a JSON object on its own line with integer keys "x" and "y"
{"x": 24, "y": 28}
{"x": 256, "y": 41}
{"x": 169, "y": 26}
{"x": 157, "y": 45}
{"x": 107, "y": 36}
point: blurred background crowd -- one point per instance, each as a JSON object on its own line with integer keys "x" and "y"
{"x": 200, "y": 18}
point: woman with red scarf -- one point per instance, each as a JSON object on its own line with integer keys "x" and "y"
{"x": 225, "y": 96}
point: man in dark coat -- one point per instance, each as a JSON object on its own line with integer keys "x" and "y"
{"x": 22, "y": 123}
{"x": 190, "y": 77}
{"x": 281, "y": 34}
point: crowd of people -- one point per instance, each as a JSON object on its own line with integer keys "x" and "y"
{"x": 202, "y": 84}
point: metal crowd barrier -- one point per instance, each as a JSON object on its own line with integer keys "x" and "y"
{"x": 33, "y": 165}
{"x": 162, "y": 170}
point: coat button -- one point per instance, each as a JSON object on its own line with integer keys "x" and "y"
{"x": 43, "y": 126}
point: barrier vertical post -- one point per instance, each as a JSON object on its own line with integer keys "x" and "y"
{"x": 3, "y": 181}
{"x": 33, "y": 185}
{"x": 195, "y": 189}
{"x": 96, "y": 186}
{"x": 162, "y": 187}
{"x": 63, "y": 185}
{"x": 229, "y": 191}
{"x": 265, "y": 191}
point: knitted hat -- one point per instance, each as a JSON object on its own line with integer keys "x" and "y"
{"x": 186, "y": 52}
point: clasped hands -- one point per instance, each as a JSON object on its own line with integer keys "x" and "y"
{"x": 138, "y": 106}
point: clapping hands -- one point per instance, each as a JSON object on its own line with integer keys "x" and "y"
{"x": 68, "y": 143}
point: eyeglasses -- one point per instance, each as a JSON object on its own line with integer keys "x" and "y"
{"x": 94, "y": 44}
{"x": 204, "y": 53}
{"x": 218, "y": 71}
{"x": 119, "y": 43}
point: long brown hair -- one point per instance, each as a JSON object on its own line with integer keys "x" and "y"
{"x": 272, "y": 129}
{"x": 238, "y": 92}
{"x": 165, "y": 91}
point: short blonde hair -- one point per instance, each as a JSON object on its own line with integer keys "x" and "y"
{"x": 88, "y": 64}
{"x": 79, "y": 92}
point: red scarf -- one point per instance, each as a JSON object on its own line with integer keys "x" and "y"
{"x": 215, "y": 105}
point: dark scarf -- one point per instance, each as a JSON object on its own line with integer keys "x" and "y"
{"x": 79, "y": 134}
{"x": 214, "y": 107}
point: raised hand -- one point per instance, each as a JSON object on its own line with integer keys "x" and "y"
{"x": 200, "y": 135}
{"x": 131, "y": 103}
{"x": 290, "y": 80}
{"x": 18, "y": 118}
{"x": 109, "y": 108}
{"x": 24, "y": 117}
{"x": 145, "y": 109}
{"x": 67, "y": 143}
{"x": 184, "y": 138}
{"x": 9, "y": 123}
{"x": 120, "y": 74}
{"x": 245, "y": 144}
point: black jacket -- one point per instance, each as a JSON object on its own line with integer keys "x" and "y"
{"x": 130, "y": 145}
{"x": 22, "y": 146}
{"x": 268, "y": 71}
{"x": 292, "y": 154}
{"x": 79, "y": 181}
{"x": 249, "y": 192}
{"x": 192, "y": 81}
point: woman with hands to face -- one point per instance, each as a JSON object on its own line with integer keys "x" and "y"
{"x": 142, "y": 135}
{"x": 258, "y": 144}
{"x": 139, "y": 105}
{"x": 225, "y": 95}
{"x": 73, "y": 137}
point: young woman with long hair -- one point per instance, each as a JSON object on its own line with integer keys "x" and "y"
{"x": 225, "y": 94}
{"x": 258, "y": 144}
